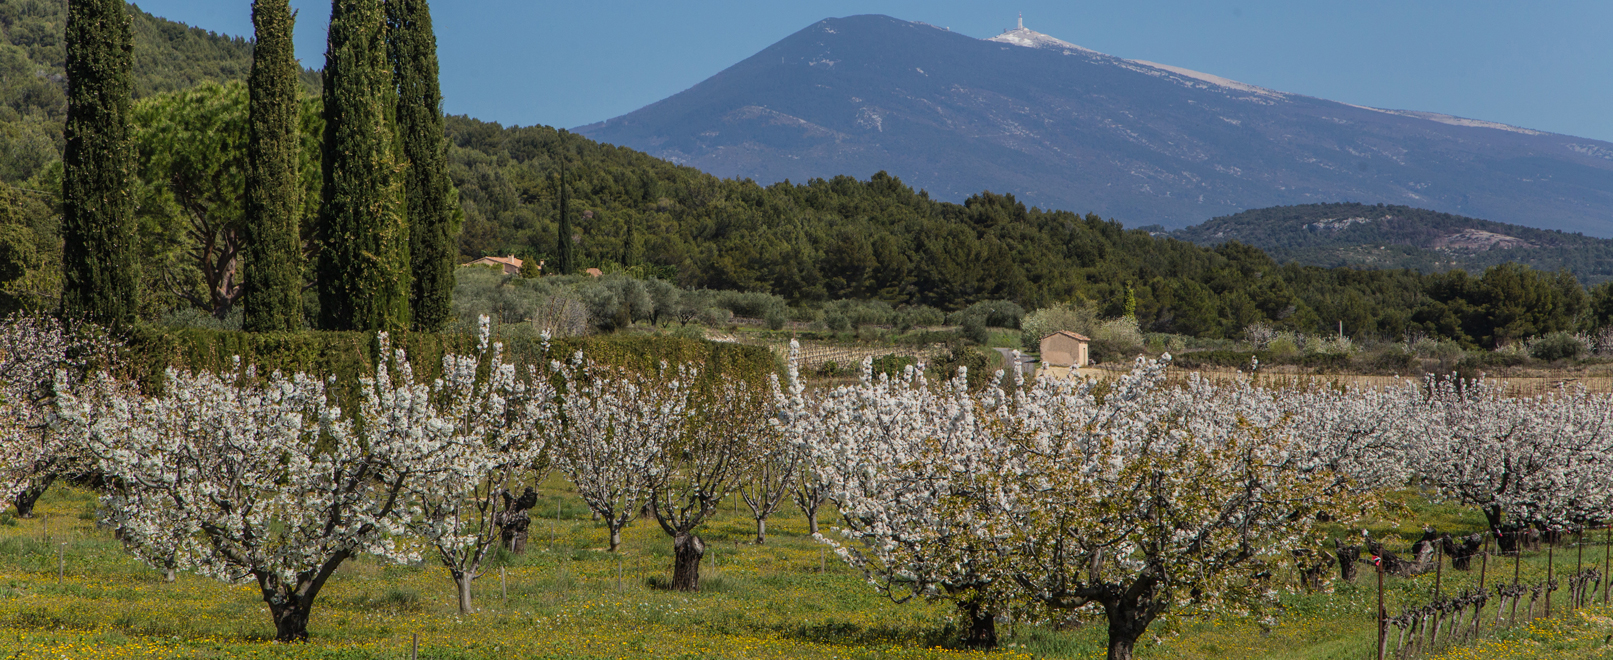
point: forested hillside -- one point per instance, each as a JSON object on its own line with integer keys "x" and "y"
{"x": 168, "y": 57}
{"x": 843, "y": 238}
{"x": 1367, "y": 236}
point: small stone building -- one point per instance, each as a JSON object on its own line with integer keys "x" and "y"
{"x": 1066, "y": 350}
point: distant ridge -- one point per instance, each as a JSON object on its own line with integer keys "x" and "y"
{"x": 1380, "y": 236}
{"x": 1062, "y": 126}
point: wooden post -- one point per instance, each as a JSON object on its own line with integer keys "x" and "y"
{"x": 1439, "y": 569}
{"x": 823, "y": 561}
{"x": 1579, "y": 566}
{"x": 503, "y": 585}
{"x": 1517, "y": 558}
{"x": 1549, "y": 562}
{"x": 1383, "y": 635}
{"x": 414, "y": 651}
{"x": 553, "y": 524}
{"x": 1484, "y": 567}
{"x": 618, "y": 574}
{"x": 61, "y": 563}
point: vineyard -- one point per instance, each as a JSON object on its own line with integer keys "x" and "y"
{"x": 567, "y": 508}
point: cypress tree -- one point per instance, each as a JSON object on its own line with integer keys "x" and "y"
{"x": 99, "y": 270}
{"x": 565, "y": 260}
{"x": 363, "y": 257}
{"x": 433, "y": 220}
{"x": 272, "y": 288}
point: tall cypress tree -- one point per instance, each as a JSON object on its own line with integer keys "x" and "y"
{"x": 364, "y": 239}
{"x": 99, "y": 269}
{"x": 272, "y": 288}
{"x": 565, "y": 260}
{"x": 433, "y": 220}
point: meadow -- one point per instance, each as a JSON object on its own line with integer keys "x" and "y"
{"x": 568, "y": 598}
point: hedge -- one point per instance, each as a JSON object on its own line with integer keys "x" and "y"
{"x": 149, "y": 352}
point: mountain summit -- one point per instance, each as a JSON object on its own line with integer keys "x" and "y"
{"x": 1061, "y": 126}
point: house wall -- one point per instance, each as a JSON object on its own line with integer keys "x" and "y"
{"x": 1065, "y": 345}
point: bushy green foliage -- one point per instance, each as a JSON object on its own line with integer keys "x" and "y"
{"x": 193, "y": 193}
{"x": 100, "y": 273}
{"x": 1558, "y": 346}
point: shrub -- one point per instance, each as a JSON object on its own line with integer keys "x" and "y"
{"x": 1557, "y": 346}
{"x": 1283, "y": 348}
{"x": 837, "y": 322}
{"x": 893, "y": 365}
{"x": 1391, "y": 360}
{"x": 961, "y": 356}
{"x": 749, "y": 304}
{"x": 1121, "y": 332}
{"x": 776, "y": 318}
{"x": 974, "y": 329}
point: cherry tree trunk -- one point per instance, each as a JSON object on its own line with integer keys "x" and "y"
{"x": 982, "y": 633}
{"x": 462, "y": 581}
{"x": 688, "y": 550}
{"x": 26, "y": 499}
{"x": 812, "y": 521}
{"x": 615, "y": 538}
{"x": 1123, "y": 635}
{"x": 761, "y": 531}
{"x": 290, "y": 620}
{"x": 1128, "y": 620}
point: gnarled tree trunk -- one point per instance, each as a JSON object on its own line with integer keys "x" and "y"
{"x": 688, "y": 550}
{"x": 515, "y": 519}
{"x": 1348, "y": 556}
{"x": 761, "y": 530}
{"x": 290, "y": 621}
{"x": 26, "y": 499}
{"x": 982, "y": 622}
{"x": 1127, "y": 623}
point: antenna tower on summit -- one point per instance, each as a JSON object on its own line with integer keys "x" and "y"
{"x": 1021, "y": 20}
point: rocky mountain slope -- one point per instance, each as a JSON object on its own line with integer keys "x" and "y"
{"x": 1062, "y": 126}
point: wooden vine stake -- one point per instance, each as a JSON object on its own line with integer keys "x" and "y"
{"x": 1383, "y": 636}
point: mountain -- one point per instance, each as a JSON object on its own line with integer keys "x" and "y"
{"x": 1379, "y": 236}
{"x": 1061, "y": 126}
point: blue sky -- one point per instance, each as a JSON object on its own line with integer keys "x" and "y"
{"x": 1545, "y": 65}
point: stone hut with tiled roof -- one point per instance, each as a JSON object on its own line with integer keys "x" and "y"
{"x": 1065, "y": 349}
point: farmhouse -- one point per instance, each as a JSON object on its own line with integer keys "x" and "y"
{"x": 510, "y": 264}
{"x": 1065, "y": 349}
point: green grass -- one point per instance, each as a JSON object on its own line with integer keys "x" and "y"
{"x": 758, "y": 601}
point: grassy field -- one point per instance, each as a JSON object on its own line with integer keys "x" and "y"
{"x": 565, "y": 601}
